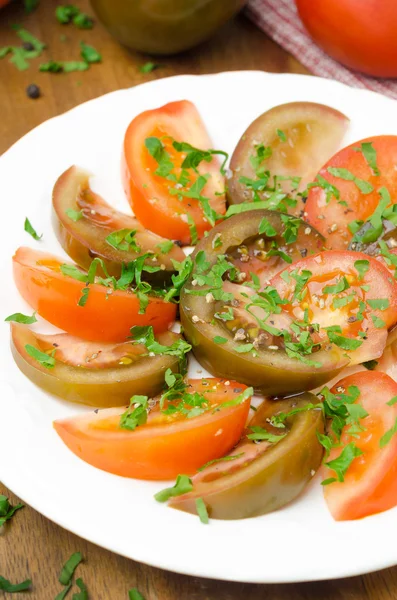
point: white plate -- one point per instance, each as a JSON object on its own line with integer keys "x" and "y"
{"x": 300, "y": 542}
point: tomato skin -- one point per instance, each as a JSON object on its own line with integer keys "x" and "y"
{"x": 154, "y": 207}
{"x": 360, "y": 35}
{"x": 102, "y": 319}
{"x": 370, "y": 484}
{"x": 328, "y": 216}
{"x": 158, "y": 451}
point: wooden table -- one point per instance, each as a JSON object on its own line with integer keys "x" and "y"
{"x": 31, "y": 546}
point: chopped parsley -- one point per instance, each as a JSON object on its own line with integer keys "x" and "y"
{"x": 165, "y": 247}
{"x": 21, "y": 318}
{"x": 369, "y": 154}
{"x": 149, "y": 67}
{"x": 379, "y": 303}
{"x": 259, "y": 435}
{"x": 47, "y": 360}
{"x": 266, "y": 228}
{"x": 222, "y": 459}
{"x": 7, "y": 511}
{"x": 183, "y": 485}
{"x": 89, "y": 53}
{"x": 364, "y": 186}
{"x": 75, "y": 215}
{"x": 192, "y": 229}
{"x": 330, "y": 190}
{"x": 361, "y": 267}
{"x": 281, "y": 135}
{"x": 145, "y": 335}
{"x": 136, "y": 414}
{"x": 370, "y": 365}
{"x": 219, "y": 339}
{"x": 124, "y": 240}
{"x": 342, "y": 463}
{"x": 31, "y": 231}
{"x": 12, "y": 588}
{"x": 69, "y": 568}
{"x": 202, "y": 511}
{"x": 133, "y": 594}
{"x": 386, "y": 438}
{"x": 30, "y": 5}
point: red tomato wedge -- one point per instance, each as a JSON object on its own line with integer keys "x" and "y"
{"x": 168, "y": 444}
{"x": 107, "y": 315}
{"x": 331, "y": 215}
{"x": 154, "y": 205}
{"x": 370, "y": 483}
{"x": 346, "y": 290}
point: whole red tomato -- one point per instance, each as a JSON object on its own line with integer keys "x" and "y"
{"x": 361, "y": 34}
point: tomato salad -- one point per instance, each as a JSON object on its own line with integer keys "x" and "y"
{"x": 289, "y": 293}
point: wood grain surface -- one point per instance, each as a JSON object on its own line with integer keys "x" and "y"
{"x": 30, "y": 545}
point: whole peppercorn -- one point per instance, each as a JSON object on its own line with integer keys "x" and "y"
{"x": 33, "y": 91}
{"x": 28, "y": 46}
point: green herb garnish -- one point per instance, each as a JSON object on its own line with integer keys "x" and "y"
{"x": 69, "y": 568}
{"x": 89, "y": 53}
{"x": 31, "y": 231}
{"x": 202, "y": 511}
{"x": 21, "y": 318}
{"x": 183, "y": 485}
{"x": 48, "y": 361}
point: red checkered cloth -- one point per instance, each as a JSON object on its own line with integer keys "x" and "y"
{"x": 279, "y": 19}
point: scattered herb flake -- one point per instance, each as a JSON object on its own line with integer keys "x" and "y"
{"x": 219, "y": 340}
{"x": 149, "y": 67}
{"x": 21, "y": 318}
{"x": 69, "y": 568}
{"x": 11, "y": 588}
{"x": 281, "y": 135}
{"x": 386, "y": 438}
{"x": 135, "y": 595}
{"x": 29, "y": 229}
{"x": 75, "y": 215}
{"x": 89, "y": 53}
{"x": 342, "y": 463}
{"x": 182, "y": 485}
{"x": 48, "y": 361}
{"x": 222, "y": 459}
{"x": 202, "y": 511}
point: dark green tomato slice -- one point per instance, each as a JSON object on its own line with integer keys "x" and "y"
{"x": 291, "y": 141}
{"x": 259, "y": 477}
{"x": 83, "y": 222}
{"x": 215, "y": 345}
{"x": 263, "y": 242}
{"x": 94, "y": 373}
{"x": 367, "y": 238}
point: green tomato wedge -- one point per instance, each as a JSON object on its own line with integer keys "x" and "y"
{"x": 258, "y": 477}
{"x": 87, "y": 227}
{"x": 94, "y": 373}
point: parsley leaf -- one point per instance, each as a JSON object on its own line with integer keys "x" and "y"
{"x": 364, "y": 186}
{"x": 183, "y": 485}
{"x": 65, "y": 13}
{"x": 83, "y": 594}
{"x": 339, "y": 287}
{"x": 69, "y": 568}
{"x": 29, "y": 229}
{"x": 194, "y": 156}
{"x": 342, "y": 463}
{"x": 166, "y": 246}
{"x": 7, "y": 511}
{"x": 75, "y": 215}
{"x": 48, "y": 361}
{"x": 7, "y": 586}
{"x": 149, "y": 67}
{"x": 83, "y": 21}
{"x": 361, "y": 267}
{"x": 202, "y": 511}
{"x": 260, "y": 434}
{"x": 281, "y": 135}
{"x": 124, "y": 240}
{"x": 133, "y": 594}
{"x": 222, "y": 459}
{"x": 219, "y": 339}
{"x": 370, "y": 365}
{"x": 21, "y": 318}
{"x": 266, "y": 228}
{"x": 89, "y": 53}
{"x": 131, "y": 419}
{"x": 369, "y": 154}
{"x": 379, "y": 303}
{"x": 330, "y": 190}
{"x": 343, "y": 342}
